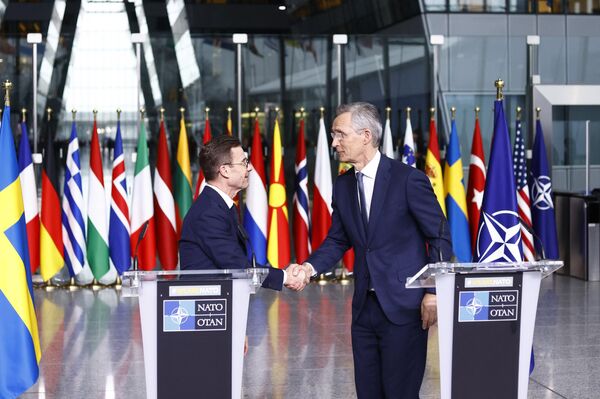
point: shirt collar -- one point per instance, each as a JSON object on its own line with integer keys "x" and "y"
{"x": 370, "y": 169}
{"x": 225, "y": 197}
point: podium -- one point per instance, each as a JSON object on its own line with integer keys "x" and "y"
{"x": 193, "y": 329}
{"x": 486, "y": 317}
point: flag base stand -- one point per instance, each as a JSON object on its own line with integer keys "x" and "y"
{"x": 344, "y": 278}
{"x": 118, "y": 284}
{"x": 49, "y": 285}
{"x": 73, "y": 285}
{"x": 96, "y": 285}
{"x": 323, "y": 280}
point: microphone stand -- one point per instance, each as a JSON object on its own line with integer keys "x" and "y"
{"x": 135, "y": 252}
{"x": 534, "y": 235}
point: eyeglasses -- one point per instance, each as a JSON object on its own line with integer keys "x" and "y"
{"x": 341, "y": 135}
{"x": 245, "y": 162}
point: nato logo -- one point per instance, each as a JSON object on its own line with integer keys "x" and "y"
{"x": 179, "y": 315}
{"x": 480, "y": 306}
{"x": 499, "y": 237}
{"x": 541, "y": 190}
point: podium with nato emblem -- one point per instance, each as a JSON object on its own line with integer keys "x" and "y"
{"x": 193, "y": 329}
{"x": 486, "y": 317}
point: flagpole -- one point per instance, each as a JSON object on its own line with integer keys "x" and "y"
{"x": 239, "y": 39}
{"x": 339, "y": 40}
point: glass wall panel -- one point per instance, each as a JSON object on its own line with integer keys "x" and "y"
{"x": 583, "y": 53}
{"x": 552, "y": 60}
{"x": 583, "y": 6}
{"x": 477, "y": 5}
{"x": 476, "y": 61}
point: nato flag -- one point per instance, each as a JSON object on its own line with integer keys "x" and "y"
{"x": 499, "y": 235}
{"x": 542, "y": 206}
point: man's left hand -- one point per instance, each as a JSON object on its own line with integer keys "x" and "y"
{"x": 429, "y": 310}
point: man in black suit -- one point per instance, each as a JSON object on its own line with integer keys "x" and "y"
{"x": 388, "y": 213}
{"x": 211, "y": 236}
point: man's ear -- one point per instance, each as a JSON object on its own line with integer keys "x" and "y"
{"x": 368, "y": 136}
{"x": 224, "y": 171}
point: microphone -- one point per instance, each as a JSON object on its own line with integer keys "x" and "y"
{"x": 244, "y": 235}
{"x": 534, "y": 235}
{"x": 137, "y": 244}
{"x": 441, "y": 232}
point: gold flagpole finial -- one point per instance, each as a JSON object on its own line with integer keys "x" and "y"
{"x": 276, "y": 113}
{"x": 95, "y": 112}
{"x": 432, "y": 113}
{"x": 207, "y": 110}
{"x": 182, "y": 111}
{"x": 453, "y": 112}
{"x": 407, "y": 112}
{"x": 388, "y": 111}
{"x": 256, "y": 109}
{"x": 499, "y": 87}
{"x": 119, "y": 114}
{"x": 49, "y": 113}
{"x": 477, "y": 109}
{"x": 8, "y": 87}
{"x": 73, "y": 113}
{"x": 519, "y": 109}
{"x": 24, "y": 114}
{"x": 142, "y": 112}
{"x": 322, "y": 110}
{"x": 162, "y": 113}
{"x": 302, "y": 112}
{"x": 229, "y": 109}
{"x": 537, "y": 113}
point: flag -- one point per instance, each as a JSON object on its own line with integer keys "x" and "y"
{"x": 456, "y": 202}
{"x": 278, "y": 239}
{"x": 408, "y": 152}
{"x": 476, "y": 184}
{"x": 323, "y": 188}
{"x": 229, "y": 125}
{"x": 499, "y": 235}
{"x": 542, "y": 212}
{"x": 255, "y": 214}
{"x": 118, "y": 228}
{"x": 30, "y": 201}
{"x": 182, "y": 177}
{"x": 433, "y": 167}
{"x": 301, "y": 206}
{"x": 142, "y": 209}
{"x": 387, "y": 147}
{"x": 51, "y": 236}
{"x": 97, "y": 228}
{"x": 348, "y": 258}
{"x": 164, "y": 205}
{"x": 207, "y": 137}
{"x": 523, "y": 200}
{"x": 19, "y": 342}
{"x": 73, "y": 225}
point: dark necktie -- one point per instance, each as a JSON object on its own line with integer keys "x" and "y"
{"x": 363, "y": 202}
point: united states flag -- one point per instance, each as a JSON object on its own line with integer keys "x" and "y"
{"x": 523, "y": 200}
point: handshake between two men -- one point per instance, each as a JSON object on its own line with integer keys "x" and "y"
{"x": 297, "y": 276}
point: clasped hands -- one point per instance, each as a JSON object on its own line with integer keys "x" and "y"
{"x": 298, "y": 276}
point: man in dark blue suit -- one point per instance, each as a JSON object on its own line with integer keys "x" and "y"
{"x": 211, "y": 236}
{"x": 388, "y": 213}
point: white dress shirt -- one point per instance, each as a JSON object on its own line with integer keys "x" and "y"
{"x": 369, "y": 172}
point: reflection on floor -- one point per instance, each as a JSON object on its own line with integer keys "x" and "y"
{"x": 299, "y": 344}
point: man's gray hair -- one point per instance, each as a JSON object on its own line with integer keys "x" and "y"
{"x": 364, "y": 116}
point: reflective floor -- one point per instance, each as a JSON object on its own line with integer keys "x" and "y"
{"x": 299, "y": 344}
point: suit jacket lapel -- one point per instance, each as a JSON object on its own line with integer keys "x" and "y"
{"x": 353, "y": 193}
{"x": 382, "y": 180}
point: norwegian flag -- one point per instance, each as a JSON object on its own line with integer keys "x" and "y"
{"x": 523, "y": 199}
{"x": 301, "y": 201}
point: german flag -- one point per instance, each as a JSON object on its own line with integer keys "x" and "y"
{"x": 51, "y": 242}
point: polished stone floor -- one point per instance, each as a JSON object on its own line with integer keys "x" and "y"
{"x": 299, "y": 344}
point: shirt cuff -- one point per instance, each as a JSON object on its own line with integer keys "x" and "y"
{"x": 313, "y": 272}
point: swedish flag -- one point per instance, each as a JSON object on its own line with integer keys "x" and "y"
{"x": 456, "y": 200}
{"x": 19, "y": 343}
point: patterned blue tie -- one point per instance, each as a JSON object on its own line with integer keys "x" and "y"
{"x": 363, "y": 202}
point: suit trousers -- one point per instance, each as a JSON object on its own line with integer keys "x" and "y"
{"x": 389, "y": 359}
